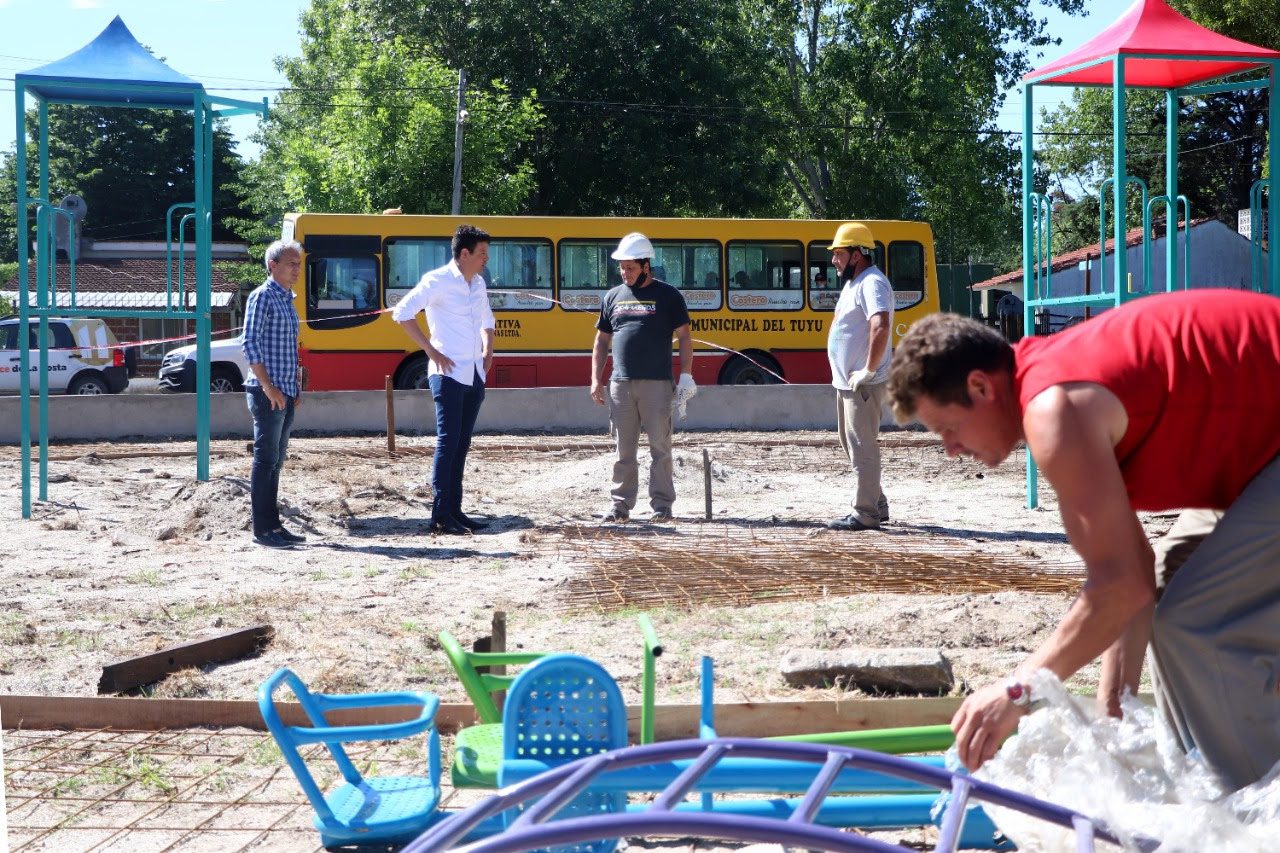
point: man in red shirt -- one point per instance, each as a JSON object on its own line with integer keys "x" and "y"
{"x": 1168, "y": 402}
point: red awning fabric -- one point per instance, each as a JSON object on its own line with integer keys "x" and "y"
{"x": 1152, "y": 27}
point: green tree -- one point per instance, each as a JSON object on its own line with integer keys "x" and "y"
{"x": 793, "y": 107}
{"x": 888, "y": 108}
{"x": 129, "y": 165}
{"x": 368, "y": 123}
{"x": 652, "y": 106}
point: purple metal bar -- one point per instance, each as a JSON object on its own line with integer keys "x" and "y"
{"x": 684, "y": 783}
{"x": 736, "y": 827}
{"x": 1084, "y": 826}
{"x": 953, "y": 816}
{"x": 818, "y": 790}
{"x": 564, "y": 792}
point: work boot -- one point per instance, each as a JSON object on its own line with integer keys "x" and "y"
{"x": 849, "y": 522}
{"x": 450, "y": 527}
{"x": 287, "y": 536}
{"x": 617, "y": 515}
{"x": 469, "y": 522}
{"x": 272, "y": 539}
{"x": 661, "y": 516}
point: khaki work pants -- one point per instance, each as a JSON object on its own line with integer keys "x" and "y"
{"x": 1215, "y": 644}
{"x": 858, "y": 422}
{"x": 635, "y": 405}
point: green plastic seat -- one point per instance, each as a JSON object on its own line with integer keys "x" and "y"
{"x": 477, "y": 752}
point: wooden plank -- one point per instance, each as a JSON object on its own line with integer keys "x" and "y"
{"x": 138, "y": 714}
{"x": 146, "y": 669}
{"x": 672, "y": 721}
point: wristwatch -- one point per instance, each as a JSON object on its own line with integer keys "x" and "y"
{"x": 1018, "y": 693}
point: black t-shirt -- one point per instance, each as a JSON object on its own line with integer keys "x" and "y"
{"x": 641, "y": 322}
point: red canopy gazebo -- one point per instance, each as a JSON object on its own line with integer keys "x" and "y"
{"x": 1151, "y": 46}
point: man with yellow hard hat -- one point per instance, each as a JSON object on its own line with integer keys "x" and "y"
{"x": 859, "y": 350}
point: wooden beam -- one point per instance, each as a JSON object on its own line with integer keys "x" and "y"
{"x": 752, "y": 719}
{"x": 129, "y": 713}
{"x": 146, "y": 669}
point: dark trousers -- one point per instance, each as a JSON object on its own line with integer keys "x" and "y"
{"x": 271, "y": 429}
{"x": 457, "y": 407}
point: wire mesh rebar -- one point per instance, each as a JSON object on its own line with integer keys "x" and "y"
{"x": 171, "y": 790}
{"x": 728, "y": 565}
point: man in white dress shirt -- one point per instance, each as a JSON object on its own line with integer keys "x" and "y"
{"x": 460, "y": 349}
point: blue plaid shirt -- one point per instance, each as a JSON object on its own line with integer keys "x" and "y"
{"x": 271, "y": 336}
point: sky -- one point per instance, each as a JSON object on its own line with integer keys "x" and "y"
{"x": 228, "y": 45}
{"x": 231, "y": 45}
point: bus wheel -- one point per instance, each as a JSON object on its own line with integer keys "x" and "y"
{"x": 742, "y": 371}
{"x": 414, "y": 376}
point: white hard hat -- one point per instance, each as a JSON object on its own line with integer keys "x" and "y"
{"x": 633, "y": 247}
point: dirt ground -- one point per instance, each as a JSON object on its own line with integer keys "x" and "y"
{"x": 131, "y": 554}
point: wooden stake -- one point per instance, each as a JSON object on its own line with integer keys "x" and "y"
{"x": 498, "y": 643}
{"x": 498, "y": 640}
{"x": 391, "y": 417}
{"x": 706, "y": 480}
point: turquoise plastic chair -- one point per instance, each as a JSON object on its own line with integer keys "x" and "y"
{"x": 560, "y": 709}
{"x": 478, "y": 749}
{"x": 363, "y": 810}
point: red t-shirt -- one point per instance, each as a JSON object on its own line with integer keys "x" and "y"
{"x": 1198, "y": 373}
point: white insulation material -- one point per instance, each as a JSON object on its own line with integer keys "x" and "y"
{"x": 1129, "y": 775}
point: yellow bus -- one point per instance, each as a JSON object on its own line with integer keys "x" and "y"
{"x": 759, "y": 311}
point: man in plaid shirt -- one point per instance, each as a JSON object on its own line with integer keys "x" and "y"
{"x": 274, "y": 389}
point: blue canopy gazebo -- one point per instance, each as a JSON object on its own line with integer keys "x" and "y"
{"x": 113, "y": 70}
{"x": 1150, "y": 46}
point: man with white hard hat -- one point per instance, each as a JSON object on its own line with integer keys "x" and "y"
{"x": 858, "y": 349}
{"x": 638, "y": 318}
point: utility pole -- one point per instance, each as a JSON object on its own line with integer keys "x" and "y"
{"x": 459, "y": 118}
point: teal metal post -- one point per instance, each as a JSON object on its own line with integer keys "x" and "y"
{"x": 1120, "y": 188}
{"x": 22, "y": 232}
{"x": 204, "y": 258}
{"x": 1028, "y": 157}
{"x": 44, "y": 288}
{"x": 1273, "y": 158}
{"x": 1171, "y": 191}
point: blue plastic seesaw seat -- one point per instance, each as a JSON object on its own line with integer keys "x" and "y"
{"x": 362, "y": 810}
{"x": 558, "y": 710}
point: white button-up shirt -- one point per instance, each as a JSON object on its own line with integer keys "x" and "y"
{"x": 457, "y": 313}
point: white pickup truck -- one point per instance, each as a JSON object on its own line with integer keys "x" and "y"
{"x": 227, "y": 367}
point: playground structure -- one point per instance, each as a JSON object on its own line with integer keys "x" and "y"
{"x": 1150, "y": 46}
{"x": 566, "y": 774}
{"x": 113, "y": 70}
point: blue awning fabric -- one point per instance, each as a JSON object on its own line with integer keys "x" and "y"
{"x": 112, "y": 68}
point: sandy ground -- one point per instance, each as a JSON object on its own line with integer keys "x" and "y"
{"x": 131, "y": 553}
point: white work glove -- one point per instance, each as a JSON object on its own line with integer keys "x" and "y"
{"x": 859, "y": 378}
{"x": 685, "y": 390}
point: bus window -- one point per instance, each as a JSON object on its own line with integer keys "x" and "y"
{"x": 824, "y": 297}
{"x": 766, "y": 275}
{"x": 693, "y": 266}
{"x": 587, "y": 273}
{"x": 342, "y": 291}
{"x": 518, "y": 275}
{"x": 906, "y": 273}
{"x": 408, "y": 258}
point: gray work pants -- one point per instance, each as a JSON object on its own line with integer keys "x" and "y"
{"x": 635, "y": 405}
{"x": 1215, "y": 644}
{"x": 858, "y": 422}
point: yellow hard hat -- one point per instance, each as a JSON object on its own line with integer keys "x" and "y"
{"x": 852, "y": 234}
